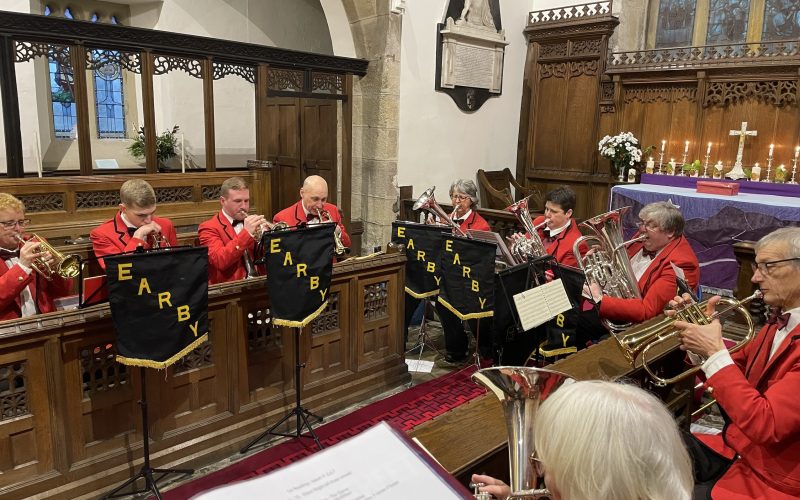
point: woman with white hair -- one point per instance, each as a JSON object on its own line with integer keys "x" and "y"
{"x": 596, "y": 439}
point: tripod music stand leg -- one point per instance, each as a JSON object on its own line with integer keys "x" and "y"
{"x": 146, "y": 472}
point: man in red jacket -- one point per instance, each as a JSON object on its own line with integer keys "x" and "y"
{"x": 229, "y": 234}
{"x": 653, "y": 261}
{"x": 134, "y": 226}
{"x": 23, "y": 292}
{"x": 758, "y": 453}
{"x": 313, "y": 202}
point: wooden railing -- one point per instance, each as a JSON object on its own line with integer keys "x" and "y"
{"x": 70, "y": 424}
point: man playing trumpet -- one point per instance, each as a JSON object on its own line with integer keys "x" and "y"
{"x": 312, "y": 206}
{"x": 758, "y": 453}
{"x": 229, "y": 235}
{"x": 135, "y": 225}
{"x": 23, "y": 293}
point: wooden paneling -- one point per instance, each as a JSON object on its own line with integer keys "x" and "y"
{"x": 73, "y": 427}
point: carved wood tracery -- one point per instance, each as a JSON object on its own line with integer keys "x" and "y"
{"x": 98, "y": 58}
{"x": 42, "y": 202}
{"x": 776, "y": 92}
{"x": 166, "y": 64}
{"x": 328, "y": 319}
{"x": 13, "y": 391}
{"x": 221, "y": 70}
{"x": 375, "y": 301}
{"x": 659, "y": 93}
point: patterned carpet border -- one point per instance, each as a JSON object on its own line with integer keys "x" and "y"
{"x": 406, "y": 409}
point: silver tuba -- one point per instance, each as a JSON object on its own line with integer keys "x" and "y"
{"x": 523, "y": 247}
{"x": 520, "y": 389}
{"x": 428, "y": 202}
{"x": 609, "y": 266}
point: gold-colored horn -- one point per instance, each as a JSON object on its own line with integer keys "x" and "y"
{"x": 521, "y": 390}
{"x": 637, "y": 341}
{"x": 428, "y": 202}
{"x": 66, "y": 266}
{"x": 609, "y": 266}
{"x": 522, "y": 248}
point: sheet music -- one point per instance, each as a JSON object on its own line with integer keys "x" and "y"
{"x": 376, "y": 464}
{"x": 540, "y": 304}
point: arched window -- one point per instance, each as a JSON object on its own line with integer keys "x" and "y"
{"x": 109, "y": 101}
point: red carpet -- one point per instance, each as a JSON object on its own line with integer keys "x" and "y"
{"x": 406, "y": 409}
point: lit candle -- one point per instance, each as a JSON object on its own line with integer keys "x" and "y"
{"x": 650, "y": 166}
{"x": 755, "y": 173}
{"x": 663, "y": 144}
{"x": 686, "y": 148}
{"x": 708, "y": 149}
{"x": 796, "y": 151}
{"x": 771, "y": 149}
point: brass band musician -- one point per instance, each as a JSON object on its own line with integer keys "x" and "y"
{"x": 23, "y": 293}
{"x": 229, "y": 234}
{"x": 135, "y": 225}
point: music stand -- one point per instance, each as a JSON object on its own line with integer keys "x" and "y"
{"x": 146, "y": 472}
{"x": 298, "y": 411}
{"x": 423, "y": 338}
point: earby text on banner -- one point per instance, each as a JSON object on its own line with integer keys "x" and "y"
{"x": 159, "y": 304}
{"x": 299, "y": 268}
{"x": 467, "y": 277}
{"x": 423, "y": 243}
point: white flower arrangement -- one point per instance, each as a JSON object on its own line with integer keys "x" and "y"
{"x": 622, "y": 149}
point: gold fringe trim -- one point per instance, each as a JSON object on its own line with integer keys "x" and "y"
{"x": 420, "y": 295}
{"x": 161, "y": 365}
{"x": 556, "y": 352}
{"x": 464, "y": 317}
{"x": 300, "y": 324}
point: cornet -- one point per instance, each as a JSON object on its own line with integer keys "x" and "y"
{"x": 339, "y": 248}
{"x": 65, "y": 266}
{"x": 157, "y": 241}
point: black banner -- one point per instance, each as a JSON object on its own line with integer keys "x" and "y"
{"x": 423, "y": 243}
{"x": 159, "y": 304}
{"x": 299, "y": 267}
{"x": 467, "y": 268}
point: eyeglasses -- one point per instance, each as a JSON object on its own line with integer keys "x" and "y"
{"x": 651, "y": 225}
{"x": 459, "y": 197}
{"x": 766, "y": 267}
{"x": 10, "y": 224}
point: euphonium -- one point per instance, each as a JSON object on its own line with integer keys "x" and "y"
{"x": 609, "y": 266}
{"x": 524, "y": 247}
{"x": 428, "y": 202}
{"x": 338, "y": 245}
{"x": 521, "y": 389}
{"x": 66, "y": 266}
{"x": 638, "y": 340}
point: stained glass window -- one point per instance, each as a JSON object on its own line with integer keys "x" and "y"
{"x": 109, "y": 101}
{"x": 675, "y": 23}
{"x": 62, "y": 97}
{"x": 727, "y": 21}
{"x": 781, "y": 20}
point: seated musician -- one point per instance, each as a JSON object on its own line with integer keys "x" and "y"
{"x": 313, "y": 204}
{"x": 652, "y": 261}
{"x": 560, "y": 231}
{"x": 758, "y": 453}
{"x": 134, "y": 226}
{"x": 229, "y": 233}
{"x": 23, "y": 293}
{"x": 597, "y": 439}
{"x": 464, "y": 195}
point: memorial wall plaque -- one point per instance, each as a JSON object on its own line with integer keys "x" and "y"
{"x": 470, "y": 52}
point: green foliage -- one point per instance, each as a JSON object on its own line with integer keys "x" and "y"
{"x": 166, "y": 144}
{"x": 691, "y": 168}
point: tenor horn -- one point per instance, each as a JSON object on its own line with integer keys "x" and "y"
{"x": 520, "y": 390}
{"x": 524, "y": 247}
{"x": 638, "y": 340}
{"x": 428, "y": 202}
{"x": 609, "y": 266}
{"x": 65, "y": 266}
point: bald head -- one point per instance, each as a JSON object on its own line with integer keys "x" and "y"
{"x": 314, "y": 193}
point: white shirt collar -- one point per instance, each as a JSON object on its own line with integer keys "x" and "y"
{"x": 555, "y": 232}
{"x": 463, "y": 217}
{"x": 126, "y": 221}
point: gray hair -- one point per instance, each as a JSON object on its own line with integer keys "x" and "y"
{"x": 788, "y": 237}
{"x": 467, "y": 187}
{"x": 614, "y": 441}
{"x": 666, "y": 215}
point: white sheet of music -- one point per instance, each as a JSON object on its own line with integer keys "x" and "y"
{"x": 540, "y": 304}
{"x": 374, "y": 464}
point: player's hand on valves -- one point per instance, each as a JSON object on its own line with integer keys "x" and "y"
{"x": 496, "y": 487}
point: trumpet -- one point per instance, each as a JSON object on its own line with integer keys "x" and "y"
{"x": 65, "y": 266}
{"x": 638, "y": 340}
{"x": 268, "y": 227}
{"x": 338, "y": 247}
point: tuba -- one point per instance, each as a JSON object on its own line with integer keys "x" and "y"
{"x": 524, "y": 247}
{"x": 428, "y": 202}
{"x": 65, "y": 266}
{"x": 609, "y": 266}
{"x": 521, "y": 389}
{"x": 338, "y": 246}
{"x": 638, "y": 340}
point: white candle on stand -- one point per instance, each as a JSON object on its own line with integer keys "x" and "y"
{"x": 708, "y": 149}
{"x": 771, "y": 149}
{"x": 796, "y": 151}
{"x": 663, "y": 144}
{"x": 183, "y": 156}
{"x": 686, "y": 148}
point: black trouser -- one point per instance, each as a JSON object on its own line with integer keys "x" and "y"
{"x": 709, "y": 466}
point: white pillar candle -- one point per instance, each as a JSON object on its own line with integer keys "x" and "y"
{"x": 708, "y": 149}
{"x": 686, "y": 148}
{"x": 755, "y": 173}
{"x": 650, "y": 167}
{"x": 771, "y": 149}
{"x": 37, "y": 153}
{"x": 663, "y": 144}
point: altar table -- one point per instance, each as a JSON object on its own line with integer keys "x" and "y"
{"x": 713, "y": 223}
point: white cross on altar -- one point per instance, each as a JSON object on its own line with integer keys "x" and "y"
{"x": 737, "y": 172}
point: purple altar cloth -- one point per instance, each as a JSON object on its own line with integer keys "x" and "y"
{"x": 682, "y": 181}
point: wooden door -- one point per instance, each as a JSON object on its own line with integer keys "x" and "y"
{"x": 318, "y": 141}
{"x": 283, "y": 147}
